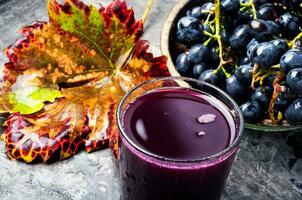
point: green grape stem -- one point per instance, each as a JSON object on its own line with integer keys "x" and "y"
{"x": 217, "y": 37}
{"x": 292, "y": 43}
{"x": 250, "y": 4}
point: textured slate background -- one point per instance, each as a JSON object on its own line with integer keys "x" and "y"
{"x": 265, "y": 167}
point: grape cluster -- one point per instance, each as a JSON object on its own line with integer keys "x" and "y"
{"x": 252, "y": 49}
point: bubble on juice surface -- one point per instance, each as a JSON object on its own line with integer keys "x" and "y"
{"x": 141, "y": 129}
{"x": 207, "y": 118}
{"x": 201, "y": 133}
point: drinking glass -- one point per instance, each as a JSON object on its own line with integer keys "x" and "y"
{"x": 146, "y": 175}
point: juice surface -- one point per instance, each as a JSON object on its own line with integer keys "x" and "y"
{"x": 179, "y": 124}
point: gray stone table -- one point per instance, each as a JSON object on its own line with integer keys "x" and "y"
{"x": 265, "y": 167}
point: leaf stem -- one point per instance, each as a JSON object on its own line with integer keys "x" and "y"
{"x": 147, "y": 11}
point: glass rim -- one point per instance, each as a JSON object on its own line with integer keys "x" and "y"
{"x": 233, "y": 145}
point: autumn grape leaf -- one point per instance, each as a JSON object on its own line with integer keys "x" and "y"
{"x": 75, "y": 68}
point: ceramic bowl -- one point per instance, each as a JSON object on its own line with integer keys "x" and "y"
{"x": 169, "y": 48}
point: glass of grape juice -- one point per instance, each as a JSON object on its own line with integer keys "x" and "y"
{"x": 179, "y": 138}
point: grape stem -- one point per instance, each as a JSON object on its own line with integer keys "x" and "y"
{"x": 292, "y": 43}
{"x": 250, "y": 4}
{"x": 217, "y": 36}
{"x": 277, "y": 90}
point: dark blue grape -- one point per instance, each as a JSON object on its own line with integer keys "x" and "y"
{"x": 225, "y": 37}
{"x": 229, "y": 6}
{"x": 181, "y": 38}
{"x": 282, "y": 101}
{"x": 244, "y": 74}
{"x": 183, "y": 64}
{"x": 206, "y": 8}
{"x": 199, "y": 69}
{"x": 261, "y": 96}
{"x": 208, "y": 29}
{"x": 273, "y": 27}
{"x": 290, "y": 60}
{"x": 263, "y": 30}
{"x": 210, "y": 77}
{"x": 258, "y": 3}
{"x": 214, "y": 59}
{"x": 251, "y": 48}
{"x": 268, "y": 81}
{"x": 235, "y": 89}
{"x": 241, "y": 37}
{"x": 198, "y": 53}
{"x": 265, "y": 54}
{"x": 189, "y": 29}
{"x": 294, "y": 80}
{"x": 291, "y": 4}
{"x": 195, "y": 12}
{"x": 281, "y": 45}
{"x": 290, "y": 25}
{"x": 252, "y": 112}
{"x": 266, "y": 12}
{"x": 293, "y": 113}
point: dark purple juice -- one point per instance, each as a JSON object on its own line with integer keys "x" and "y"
{"x": 179, "y": 127}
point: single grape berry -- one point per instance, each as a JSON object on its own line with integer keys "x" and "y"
{"x": 265, "y": 54}
{"x": 183, "y": 64}
{"x": 291, "y": 59}
{"x": 264, "y": 30}
{"x": 240, "y": 37}
{"x": 282, "y": 101}
{"x": 291, "y": 4}
{"x": 195, "y": 12}
{"x": 268, "y": 81}
{"x": 266, "y": 12}
{"x": 294, "y": 80}
{"x": 229, "y": 6}
{"x": 293, "y": 113}
{"x": 290, "y": 25}
{"x": 206, "y": 9}
{"x": 213, "y": 59}
{"x": 244, "y": 74}
{"x": 210, "y": 77}
{"x": 261, "y": 96}
{"x": 190, "y": 29}
{"x": 198, "y": 53}
{"x": 273, "y": 27}
{"x": 251, "y": 48}
{"x": 281, "y": 45}
{"x": 235, "y": 89}
{"x": 199, "y": 69}
{"x": 258, "y": 3}
{"x": 252, "y": 112}
{"x": 225, "y": 37}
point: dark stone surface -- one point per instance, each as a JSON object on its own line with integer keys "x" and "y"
{"x": 264, "y": 169}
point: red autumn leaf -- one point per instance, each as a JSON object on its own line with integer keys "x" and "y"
{"x": 80, "y": 53}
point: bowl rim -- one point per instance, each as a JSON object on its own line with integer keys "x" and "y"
{"x": 164, "y": 46}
